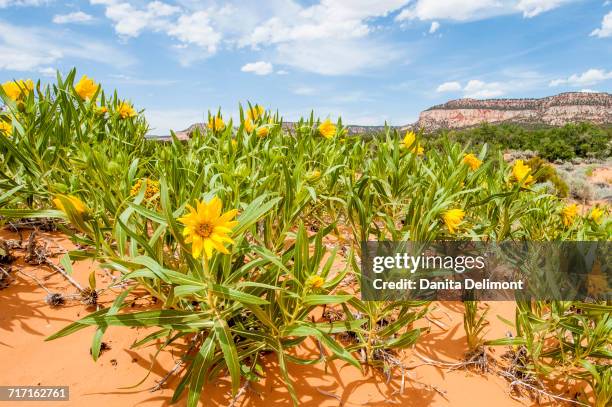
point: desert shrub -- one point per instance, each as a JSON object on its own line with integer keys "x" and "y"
{"x": 584, "y": 140}
{"x": 556, "y": 149}
{"x": 544, "y": 172}
{"x": 580, "y": 188}
{"x": 560, "y": 339}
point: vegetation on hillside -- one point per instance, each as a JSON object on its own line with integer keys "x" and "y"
{"x": 584, "y": 140}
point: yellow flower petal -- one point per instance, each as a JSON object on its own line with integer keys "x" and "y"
{"x": 472, "y": 161}
{"x": 410, "y": 143}
{"x": 86, "y": 87}
{"x": 208, "y": 228}
{"x": 327, "y": 129}
{"x": 522, "y": 173}
{"x": 453, "y": 218}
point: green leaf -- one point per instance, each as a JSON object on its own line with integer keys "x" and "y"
{"x": 151, "y": 337}
{"x": 305, "y": 328}
{"x": 174, "y": 319}
{"x": 97, "y": 340}
{"x": 229, "y": 352}
{"x": 406, "y": 339}
{"x": 231, "y": 294}
{"x": 507, "y": 342}
{"x": 282, "y": 364}
{"x": 320, "y": 299}
{"x": 66, "y": 263}
{"x": 199, "y": 369}
{"x": 29, "y": 213}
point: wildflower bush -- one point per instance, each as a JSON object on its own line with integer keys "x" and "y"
{"x": 238, "y": 230}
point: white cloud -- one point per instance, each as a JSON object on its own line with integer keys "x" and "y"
{"x": 454, "y": 9}
{"x": 283, "y": 27}
{"x": 475, "y": 88}
{"x": 434, "y": 27}
{"x": 304, "y": 91}
{"x": 33, "y": 48}
{"x": 531, "y": 8}
{"x": 329, "y": 19}
{"x": 606, "y": 27}
{"x": 589, "y": 77}
{"x": 192, "y": 28}
{"x": 336, "y": 57}
{"x": 76, "y": 17}
{"x": 589, "y": 91}
{"x": 462, "y": 10}
{"x": 449, "y": 87}
{"x": 139, "y": 81}
{"x": 333, "y": 37}
{"x": 131, "y": 21}
{"x": 47, "y": 71}
{"x": 196, "y": 29}
{"x": 23, "y": 3}
{"x": 282, "y": 72}
{"x": 258, "y": 68}
{"x": 479, "y": 89}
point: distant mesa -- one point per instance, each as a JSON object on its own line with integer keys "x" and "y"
{"x": 558, "y": 110}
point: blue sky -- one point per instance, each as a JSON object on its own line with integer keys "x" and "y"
{"x": 368, "y": 61}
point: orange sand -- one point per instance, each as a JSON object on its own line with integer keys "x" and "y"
{"x": 26, "y": 320}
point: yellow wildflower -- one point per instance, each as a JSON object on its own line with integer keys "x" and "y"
{"x": 5, "y": 128}
{"x": 249, "y": 126}
{"x": 521, "y": 173}
{"x": 78, "y": 205}
{"x": 313, "y": 175}
{"x": 206, "y": 228}
{"x": 568, "y": 214}
{"x": 255, "y": 112}
{"x": 18, "y": 89}
{"x": 86, "y": 87}
{"x": 125, "y": 110}
{"x": 234, "y": 142}
{"x": 596, "y": 214}
{"x": 410, "y": 143}
{"x": 472, "y": 161}
{"x": 102, "y": 110}
{"x": 263, "y": 131}
{"x": 216, "y": 123}
{"x": 452, "y": 218}
{"x": 151, "y": 191}
{"x": 315, "y": 281}
{"x": 327, "y": 129}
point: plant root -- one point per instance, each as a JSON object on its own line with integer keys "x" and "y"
{"x": 539, "y": 391}
{"x": 5, "y": 277}
{"x": 241, "y": 392}
{"x": 177, "y": 365}
{"x": 6, "y": 257}
{"x": 44, "y": 224}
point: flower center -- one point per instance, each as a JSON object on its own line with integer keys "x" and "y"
{"x": 205, "y": 229}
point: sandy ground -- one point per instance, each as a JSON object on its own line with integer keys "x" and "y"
{"x": 602, "y": 175}
{"x": 26, "y": 359}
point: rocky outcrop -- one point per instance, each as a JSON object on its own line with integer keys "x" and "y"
{"x": 553, "y": 110}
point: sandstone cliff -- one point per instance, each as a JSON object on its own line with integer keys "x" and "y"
{"x": 553, "y": 110}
